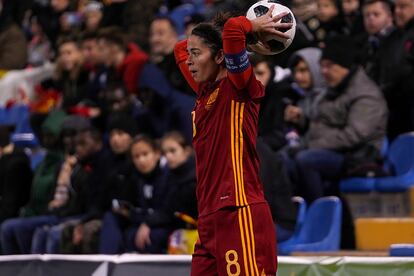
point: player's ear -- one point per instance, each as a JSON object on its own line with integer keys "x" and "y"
{"x": 219, "y": 57}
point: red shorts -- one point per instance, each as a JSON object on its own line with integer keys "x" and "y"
{"x": 236, "y": 241}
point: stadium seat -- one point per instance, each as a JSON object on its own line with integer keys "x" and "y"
{"x": 401, "y": 158}
{"x": 402, "y": 250}
{"x": 301, "y": 214}
{"x": 321, "y": 229}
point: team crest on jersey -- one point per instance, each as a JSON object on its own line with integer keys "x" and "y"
{"x": 212, "y": 99}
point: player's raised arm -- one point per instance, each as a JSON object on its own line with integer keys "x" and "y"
{"x": 181, "y": 56}
{"x": 234, "y": 42}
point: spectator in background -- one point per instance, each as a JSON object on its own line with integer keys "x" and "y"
{"x": 50, "y": 17}
{"x": 15, "y": 176}
{"x": 44, "y": 181}
{"x": 82, "y": 237}
{"x": 71, "y": 77}
{"x": 125, "y": 58}
{"x": 380, "y": 39}
{"x": 13, "y": 45}
{"x": 181, "y": 199}
{"x": 163, "y": 38}
{"x": 399, "y": 94}
{"x": 271, "y": 125}
{"x": 93, "y": 14}
{"x": 352, "y": 17}
{"x": 125, "y": 228}
{"x": 330, "y": 19}
{"x": 308, "y": 82}
{"x": 75, "y": 199}
{"x": 39, "y": 48}
{"x": 349, "y": 128}
{"x": 163, "y": 108}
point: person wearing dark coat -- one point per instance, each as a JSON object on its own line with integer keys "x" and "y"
{"x": 124, "y": 228}
{"x": 180, "y": 210}
{"x": 15, "y": 176}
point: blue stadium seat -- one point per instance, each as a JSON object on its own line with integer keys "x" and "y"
{"x": 321, "y": 229}
{"x": 401, "y": 157}
{"x": 402, "y": 250}
{"x": 301, "y": 214}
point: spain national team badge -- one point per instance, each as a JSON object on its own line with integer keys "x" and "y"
{"x": 212, "y": 99}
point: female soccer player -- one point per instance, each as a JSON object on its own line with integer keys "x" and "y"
{"x": 236, "y": 231}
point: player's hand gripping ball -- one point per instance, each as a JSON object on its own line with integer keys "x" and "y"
{"x": 272, "y": 44}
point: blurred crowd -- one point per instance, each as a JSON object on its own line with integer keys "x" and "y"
{"x": 110, "y": 168}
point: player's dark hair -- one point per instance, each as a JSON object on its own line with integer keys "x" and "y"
{"x": 210, "y": 33}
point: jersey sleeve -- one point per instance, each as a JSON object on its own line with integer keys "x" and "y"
{"x": 238, "y": 66}
{"x": 181, "y": 55}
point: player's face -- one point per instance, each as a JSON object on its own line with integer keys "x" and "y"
{"x": 332, "y": 72}
{"x": 175, "y": 154}
{"x": 404, "y": 11}
{"x": 302, "y": 75}
{"x": 145, "y": 158}
{"x": 202, "y": 65}
{"x": 376, "y": 17}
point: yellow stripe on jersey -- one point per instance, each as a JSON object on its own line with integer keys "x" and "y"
{"x": 233, "y": 159}
{"x": 244, "y": 214}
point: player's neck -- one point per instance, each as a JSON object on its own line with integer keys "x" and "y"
{"x": 221, "y": 74}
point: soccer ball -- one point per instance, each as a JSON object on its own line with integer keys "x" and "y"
{"x": 272, "y": 44}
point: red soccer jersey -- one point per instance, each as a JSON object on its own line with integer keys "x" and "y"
{"x": 225, "y": 126}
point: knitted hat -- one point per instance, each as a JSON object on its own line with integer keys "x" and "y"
{"x": 340, "y": 50}
{"x": 123, "y": 122}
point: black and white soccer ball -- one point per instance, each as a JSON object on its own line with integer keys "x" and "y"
{"x": 272, "y": 44}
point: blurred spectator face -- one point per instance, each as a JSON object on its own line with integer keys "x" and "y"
{"x": 332, "y": 72}
{"x": 59, "y": 5}
{"x": 376, "y": 17}
{"x": 350, "y": 6}
{"x": 69, "y": 55}
{"x": 404, "y": 12}
{"x": 69, "y": 142}
{"x": 120, "y": 141}
{"x": 162, "y": 37}
{"x": 86, "y": 146}
{"x": 145, "y": 158}
{"x": 175, "y": 153}
{"x": 106, "y": 50}
{"x": 326, "y": 10}
{"x": 262, "y": 72}
{"x": 302, "y": 75}
{"x": 91, "y": 52}
{"x": 93, "y": 19}
{"x": 117, "y": 100}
